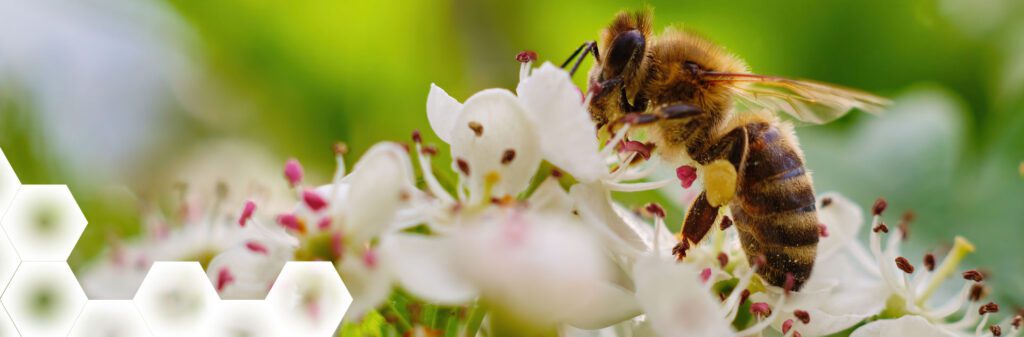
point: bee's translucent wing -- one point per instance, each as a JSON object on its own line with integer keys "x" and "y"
{"x": 807, "y": 101}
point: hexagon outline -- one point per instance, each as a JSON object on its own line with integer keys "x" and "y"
{"x": 42, "y": 271}
{"x": 7, "y": 175}
{"x": 31, "y": 245}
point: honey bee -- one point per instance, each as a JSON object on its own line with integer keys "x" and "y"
{"x": 701, "y": 104}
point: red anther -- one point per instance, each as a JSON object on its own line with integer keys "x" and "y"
{"x": 1017, "y": 321}
{"x": 760, "y": 261}
{"x": 655, "y": 210}
{"x": 990, "y": 307}
{"x": 247, "y": 211}
{"x": 803, "y": 316}
{"x": 644, "y": 150}
{"x": 256, "y": 247}
{"x": 822, "y": 230}
{"x": 686, "y": 174}
{"x": 908, "y": 216}
{"x": 556, "y": 173}
{"x": 723, "y": 259}
{"x": 508, "y": 156}
{"x": 293, "y": 171}
{"x": 314, "y": 200}
{"x": 429, "y": 150}
{"x": 788, "y": 324}
{"x": 744, "y": 295}
{"x": 929, "y": 262}
{"x": 416, "y": 137}
{"x": 324, "y": 223}
{"x": 996, "y": 330}
{"x": 904, "y": 265}
{"x": 825, "y": 202}
{"x": 463, "y": 165}
{"x": 526, "y": 56}
{"x": 977, "y": 292}
{"x": 292, "y": 222}
{"x": 340, "y": 148}
{"x": 881, "y": 228}
{"x": 370, "y": 258}
{"x": 974, "y": 275}
{"x": 879, "y": 207}
{"x": 726, "y": 222}
{"x": 224, "y": 278}
{"x": 760, "y": 309}
{"x": 788, "y": 285}
{"x": 705, "y": 275}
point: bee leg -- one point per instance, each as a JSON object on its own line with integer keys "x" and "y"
{"x": 664, "y": 113}
{"x": 699, "y": 219}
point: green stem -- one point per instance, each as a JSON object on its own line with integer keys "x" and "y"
{"x": 403, "y": 323}
{"x": 476, "y": 318}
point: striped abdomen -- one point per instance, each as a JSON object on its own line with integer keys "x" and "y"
{"x": 774, "y": 207}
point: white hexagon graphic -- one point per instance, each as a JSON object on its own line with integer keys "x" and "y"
{"x": 7, "y": 328}
{"x": 9, "y": 261}
{"x": 110, "y": 319}
{"x": 309, "y": 298}
{"x": 251, "y": 318}
{"x": 9, "y": 183}
{"x": 44, "y": 299}
{"x": 44, "y": 222}
{"x": 176, "y": 299}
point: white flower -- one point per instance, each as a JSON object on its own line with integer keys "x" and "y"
{"x": 548, "y": 120}
{"x": 675, "y": 301}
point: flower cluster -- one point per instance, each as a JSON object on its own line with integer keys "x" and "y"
{"x": 526, "y": 239}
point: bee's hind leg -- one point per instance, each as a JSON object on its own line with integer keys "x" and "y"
{"x": 699, "y": 220}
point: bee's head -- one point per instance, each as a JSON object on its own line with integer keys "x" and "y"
{"x": 619, "y": 67}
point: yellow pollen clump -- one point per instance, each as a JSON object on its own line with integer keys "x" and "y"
{"x": 719, "y": 182}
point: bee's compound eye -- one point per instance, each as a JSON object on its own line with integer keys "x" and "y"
{"x": 692, "y": 67}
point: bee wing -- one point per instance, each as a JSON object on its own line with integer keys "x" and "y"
{"x": 807, "y": 101}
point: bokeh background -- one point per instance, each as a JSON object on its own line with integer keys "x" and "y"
{"x": 122, "y": 100}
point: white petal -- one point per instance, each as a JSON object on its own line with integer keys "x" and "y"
{"x": 551, "y": 197}
{"x": 675, "y": 302}
{"x": 504, "y": 128}
{"x": 253, "y": 273}
{"x": 423, "y": 266}
{"x": 442, "y": 110}
{"x": 660, "y": 238}
{"x": 568, "y": 137}
{"x": 843, "y": 220}
{"x": 595, "y": 207}
{"x": 610, "y": 305}
{"x": 906, "y": 326}
{"x": 377, "y": 184}
{"x": 370, "y": 286}
{"x": 539, "y": 269}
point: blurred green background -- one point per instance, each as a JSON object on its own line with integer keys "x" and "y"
{"x": 117, "y": 98}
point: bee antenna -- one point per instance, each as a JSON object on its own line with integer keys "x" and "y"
{"x": 586, "y": 47}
